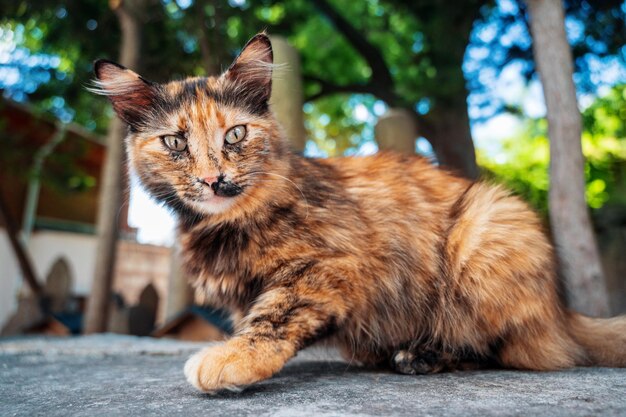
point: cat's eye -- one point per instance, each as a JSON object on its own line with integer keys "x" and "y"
{"x": 236, "y": 134}
{"x": 175, "y": 143}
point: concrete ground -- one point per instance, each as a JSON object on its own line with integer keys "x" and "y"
{"x": 108, "y": 375}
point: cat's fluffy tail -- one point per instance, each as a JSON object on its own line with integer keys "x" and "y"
{"x": 604, "y": 340}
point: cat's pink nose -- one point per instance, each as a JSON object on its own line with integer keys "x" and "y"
{"x": 208, "y": 180}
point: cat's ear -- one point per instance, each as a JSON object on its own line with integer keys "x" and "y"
{"x": 132, "y": 96}
{"x": 253, "y": 66}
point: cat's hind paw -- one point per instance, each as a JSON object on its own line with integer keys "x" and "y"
{"x": 418, "y": 363}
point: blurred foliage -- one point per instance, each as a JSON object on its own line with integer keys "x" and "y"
{"x": 523, "y": 160}
{"x": 48, "y": 47}
{"x": 60, "y": 171}
{"x": 338, "y": 124}
{"x": 52, "y": 46}
{"x": 596, "y": 31}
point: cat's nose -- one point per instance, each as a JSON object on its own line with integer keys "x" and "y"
{"x": 210, "y": 179}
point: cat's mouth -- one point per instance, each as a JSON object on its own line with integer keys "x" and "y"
{"x": 214, "y": 196}
{"x": 212, "y": 203}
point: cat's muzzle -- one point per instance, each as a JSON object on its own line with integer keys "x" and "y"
{"x": 223, "y": 188}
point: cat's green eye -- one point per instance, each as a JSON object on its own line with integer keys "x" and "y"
{"x": 175, "y": 143}
{"x": 236, "y": 134}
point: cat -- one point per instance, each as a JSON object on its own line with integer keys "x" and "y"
{"x": 394, "y": 261}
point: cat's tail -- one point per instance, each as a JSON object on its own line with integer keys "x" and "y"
{"x": 604, "y": 340}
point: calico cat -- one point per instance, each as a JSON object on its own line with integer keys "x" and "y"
{"x": 394, "y": 261}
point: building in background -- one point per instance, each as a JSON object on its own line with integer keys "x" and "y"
{"x": 56, "y": 212}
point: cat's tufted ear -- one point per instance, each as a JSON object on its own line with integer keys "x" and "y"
{"x": 132, "y": 96}
{"x": 253, "y": 67}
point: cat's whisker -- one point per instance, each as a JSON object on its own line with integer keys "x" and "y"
{"x": 261, "y": 201}
{"x": 274, "y": 180}
{"x": 288, "y": 180}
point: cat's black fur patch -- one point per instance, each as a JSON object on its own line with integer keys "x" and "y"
{"x": 221, "y": 246}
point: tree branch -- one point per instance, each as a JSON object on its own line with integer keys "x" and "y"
{"x": 328, "y": 88}
{"x": 209, "y": 60}
{"x": 425, "y": 128}
{"x": 23, "y": 258}
{"x": 381, "y": 76}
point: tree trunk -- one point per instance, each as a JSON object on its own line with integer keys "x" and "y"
{"x": 110, "y": 201}
{"x": 569, "y": 217}
{"x": 23, "y": 258}
{"x": 451, "y": 139}
{"x": 209, "y": 56}
{"x": 449, "y": 132}
{"x": 448, "y": 125}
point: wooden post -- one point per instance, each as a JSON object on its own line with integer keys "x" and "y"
{"x": 396, "y": 131}
{"x": 287, "y": 96}
{"x": 128, "y": 13}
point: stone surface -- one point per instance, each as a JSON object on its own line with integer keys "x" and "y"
{"x": 122, "y": 375}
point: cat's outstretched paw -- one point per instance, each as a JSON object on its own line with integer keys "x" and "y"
{"x": 229, "y": 366}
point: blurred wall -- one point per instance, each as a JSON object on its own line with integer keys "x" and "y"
{"x": 78, "y": 249}
{"x": 138, "y": 265}
{"x": 9, "y": 278}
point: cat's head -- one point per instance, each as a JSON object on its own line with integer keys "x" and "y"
{"x": 201, "y": 145}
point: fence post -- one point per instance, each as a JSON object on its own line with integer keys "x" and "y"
{"x": 287, "y": 96}
{"x": 396, "y": 130}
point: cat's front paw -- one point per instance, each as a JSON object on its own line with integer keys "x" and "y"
{"x": 230, "y": 366}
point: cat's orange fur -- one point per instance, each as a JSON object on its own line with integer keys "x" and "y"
{"x": 394, "y": 261}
